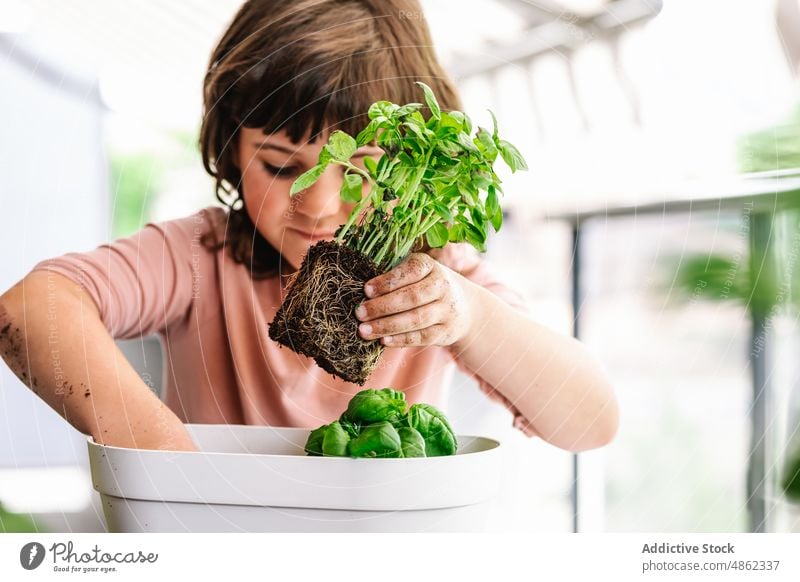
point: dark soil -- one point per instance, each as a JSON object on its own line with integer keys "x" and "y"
{"x": 317, "y": 318}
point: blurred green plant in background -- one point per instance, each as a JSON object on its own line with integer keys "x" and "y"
{"x": 137, "y": 178}
{"x": 135, "y": 181}
{"x": 791, "y": 477}
{"x": 17, "y": 522}
{"x": 774, "y": 148}
{"x": 716, "y": 277}
{"x": 767, "y": 290}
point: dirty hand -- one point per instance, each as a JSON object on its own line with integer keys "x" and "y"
{"x": 418, "y": 303}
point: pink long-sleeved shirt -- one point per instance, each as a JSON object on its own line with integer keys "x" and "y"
{"x": 212, "y": 317}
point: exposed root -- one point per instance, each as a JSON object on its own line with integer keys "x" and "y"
{"x": 317, "y": 317}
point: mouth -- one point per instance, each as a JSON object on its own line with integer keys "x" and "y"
{"x": 316, "y": 235}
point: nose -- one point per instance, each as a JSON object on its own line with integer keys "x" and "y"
{"x": 322, "y": 200}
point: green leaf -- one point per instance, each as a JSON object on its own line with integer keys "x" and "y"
{"x": 335, "y": 441}
{"x": 489, "y": 147}
{"x": 442, "y": 211}
{"x": 415, "y": 145}
{"x": 352, "y": 428}
{"x": 411, "y": 442}
{"x": 324, "y": 158}
{"x": 415, "y": 129}
{"x": 430, "y": 99}
{"x": 493, "y": 209}
{"x": 371, "y": 165}
{"x": 406, "y": 162}
{"x": 449, "y": 193}
{"x": 431, "y": 423}
{"x": 446, "y": 169}
{"x": 475, "y": 236}
{"x": 367, "y": 135}
{"x": 511, "y": 156}
{"x": 390, "y": 141}
{"x": 351, "y": 188}
{"x": 468, "y": 193}
{"x": 341, "y": 146}
{"x": 306, "y": 179}
{"x": 494, "y": 125}
{"x": 478, "y": 218}
{"x": 408, "y": 109}
{"x": 449, "y": 148}
{"x": 457, "y": 234}
{"x": 482, "y": 180}
{"x": 418, "y": 121}
{"x": 437, "y": 235}
{"x": 377, "y": 440}
{"x": 466, "y": 142}
{"x": 381, "y": 109}
{"x": 370, "y": 406}
{"x": 453, "y": 119}
{"x": 314, "y": 442}
{"x": 467, "y": 124}
{"x": 446, "y": 132}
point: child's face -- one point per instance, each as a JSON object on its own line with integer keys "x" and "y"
{"x": 269, "y": 164}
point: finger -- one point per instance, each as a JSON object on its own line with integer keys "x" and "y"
{"x": 423, "y": 337}
{"x": 435, "y": 253}
{"x": 419, "y": 318}
{"x": 415, "y": 268}
{"x": 430, "y": 289}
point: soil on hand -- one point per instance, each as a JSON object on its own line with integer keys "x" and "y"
{"x": 317, "y": 317}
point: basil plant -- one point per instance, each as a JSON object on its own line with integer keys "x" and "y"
{"x": 378, "y": 424}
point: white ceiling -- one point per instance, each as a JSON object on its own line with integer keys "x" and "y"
{"x": 150, "y": 55}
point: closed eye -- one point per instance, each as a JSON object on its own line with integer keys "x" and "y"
{"x": 282, "y": 171}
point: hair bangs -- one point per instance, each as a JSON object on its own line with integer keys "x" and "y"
{"x": 322, "y": 98}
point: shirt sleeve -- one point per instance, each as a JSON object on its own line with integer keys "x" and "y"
{"x": 141, "y": 284}
{"x": 464, "y": 259}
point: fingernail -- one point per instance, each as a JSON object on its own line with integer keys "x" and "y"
{"x": 365, "y": 329}
{"x": 369, "y": 290}
{"x": 361, "y": 311}
{"x": 387, "y": 340}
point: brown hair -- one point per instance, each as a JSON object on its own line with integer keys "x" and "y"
{"x": 306, "y": 66}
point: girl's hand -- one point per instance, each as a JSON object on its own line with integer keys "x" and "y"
{"x": 418, "y": 303}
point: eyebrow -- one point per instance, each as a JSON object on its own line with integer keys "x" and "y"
{"x": 269, "y": 145}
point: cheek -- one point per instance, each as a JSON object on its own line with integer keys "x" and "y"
{"x": 347, "y": 208}
{"x": 265, "y": 198}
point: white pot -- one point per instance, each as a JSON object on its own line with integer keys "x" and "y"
{"x": 259, "y": 479}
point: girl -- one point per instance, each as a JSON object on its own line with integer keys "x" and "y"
{"x": 284, "y": 75}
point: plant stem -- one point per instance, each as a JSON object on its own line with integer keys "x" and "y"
{"x": 387, "y": 245}
{"x": 412, "y": 189}
{"x": 371, "y": 242}
{"x": 361, "y": 204}
{"x": 405, "y": 199}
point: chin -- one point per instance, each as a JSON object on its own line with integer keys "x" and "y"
{"x": 294, "y": 260}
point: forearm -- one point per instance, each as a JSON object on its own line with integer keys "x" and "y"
{"x": 54, "y": 341}
{"x": 552, "y": 379}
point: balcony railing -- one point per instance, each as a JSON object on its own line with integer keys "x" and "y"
{"x": 762, "y": 202}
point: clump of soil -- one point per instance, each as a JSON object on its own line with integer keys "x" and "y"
{"x": 317, "y": 317}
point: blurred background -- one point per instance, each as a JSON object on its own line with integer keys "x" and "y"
{"x": 660, "y": 222}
